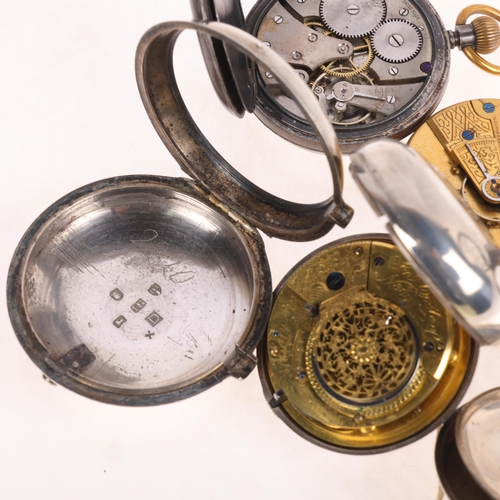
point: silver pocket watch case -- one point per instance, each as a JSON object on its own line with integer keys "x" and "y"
{"x": 144, "y": 290}
{"x": 378, "y": 68}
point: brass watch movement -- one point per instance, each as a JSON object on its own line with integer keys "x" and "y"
{"x": 463, "y": 142}
{"x": 360, "y": 356}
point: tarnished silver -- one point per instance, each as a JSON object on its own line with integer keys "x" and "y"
{"x": 166, "y": 109}
{"x": 144, "y": 290}
{"x": 436, "y": 232}
{"x": 139, "y": 291}
{"x": 227, "y": 67}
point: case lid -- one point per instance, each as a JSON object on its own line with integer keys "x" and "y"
{"x": 196, "y": 156}
{"x": 436, "y": 232}
{"x": 227, "y": 67}
{"x": 138, "y": 291}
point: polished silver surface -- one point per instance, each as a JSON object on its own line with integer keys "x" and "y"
{"x": 436, "y": 232}
{"x": 138, "y": 290}
{"x": 164, "y": 104}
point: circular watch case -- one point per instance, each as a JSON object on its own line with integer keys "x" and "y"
{"x": 360, "y": 357}
{"x": 120, "y": 292}
{"x": 144, "y": 290}
{"x": 377, "y": 68}
{"x": 467, "y": 450}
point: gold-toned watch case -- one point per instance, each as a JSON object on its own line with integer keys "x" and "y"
{"x": 359, "y": 356}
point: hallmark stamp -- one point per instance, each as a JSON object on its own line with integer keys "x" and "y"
{"x": 155, "y": 289}
{"x": 137, "y": 306}
{"x": 154, "y": 318}
{"x": 118, "y": 322}
{"x": 116, "y": 294}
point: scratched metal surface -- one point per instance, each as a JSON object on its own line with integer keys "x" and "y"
{"x": 70, "y": 114}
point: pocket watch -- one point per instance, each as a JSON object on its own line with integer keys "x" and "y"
{"x": 377, "y": 67}
{"x": 367, "y": 346}
{"x": 463, "y": 142}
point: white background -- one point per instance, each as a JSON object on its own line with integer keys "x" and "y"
{"x": 70, "y": 114}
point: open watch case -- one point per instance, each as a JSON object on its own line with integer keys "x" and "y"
{"x": 378, "y": 68}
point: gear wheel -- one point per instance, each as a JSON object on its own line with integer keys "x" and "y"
{"x": 331, "y": 70}
{"x": 397, "y": 41}
{"x": 352, "y": 18}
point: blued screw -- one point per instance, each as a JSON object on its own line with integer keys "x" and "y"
{"x": 468, "y": 135}
{"x": 489, "y": 108}
{"x": 311, "y": 309}
{"x": 428, "y": 347}
{"x": 379, "y": 261}
{"x": 335, "y": 281}
{"x": 426, "y": 67}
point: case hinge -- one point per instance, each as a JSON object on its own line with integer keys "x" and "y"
{"x": 242, "y": 364}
